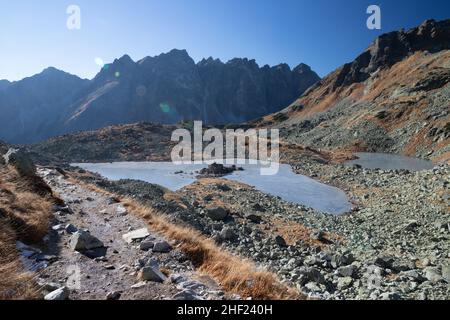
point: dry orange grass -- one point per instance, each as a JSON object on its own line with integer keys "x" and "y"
{"x": 234, "y": 274}
{"x": 24, "y": 215}
{"x": 15, "y": 283}
{"x": 293, "y": 232}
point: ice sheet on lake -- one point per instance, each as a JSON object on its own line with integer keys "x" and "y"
{"x": 285, "y": 184}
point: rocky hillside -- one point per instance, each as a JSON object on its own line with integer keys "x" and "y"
{"x": 133, "y": 142}
{"x": 165, "y": 89}
{"x": 394, "y": 97}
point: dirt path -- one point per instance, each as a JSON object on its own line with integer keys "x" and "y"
{"x": 113, "y": 269}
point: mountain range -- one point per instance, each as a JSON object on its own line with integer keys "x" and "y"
{"x": 167, "y": 89}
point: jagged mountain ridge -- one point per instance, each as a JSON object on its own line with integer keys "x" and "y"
{"x": 166, "y": 89}
{"x": 394, "y": 97}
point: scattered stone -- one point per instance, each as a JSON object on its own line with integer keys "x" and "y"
{"x": 58, "y": 227}
{"x": 433, "y": 274}
{"x": 121, "y": 210}
{"x": 258, "y": 207}
{"x": 223, "y": 187}
{"x": 70, "y": 228}
{"x": 279, "y": 240}
{"x": 311, "y": 275}
{"x": 135, "y": 235}
{"x": 227, "y": 234}
{"x": 83, "y": 240}
{"x": 112, "y": 200}
{"x": 412, "y": 225}
{"x": 146, "y": 245}
{"x": 139, "y": 285}
{"x": 384, "y": 261}
{"x": 187, "y": 295}
{"x": 115, "y": 295}
{"x": 58, "y": 295}
{"x": 254, "y": 218}
{"x": 346, "y": 271}
{"x": 162, "y": 247}
{"x": 344, "y": 283}
{"x": 152, "y": 273}
{"x": 390, "y": 296}
{"x": 217, "y": 213}
{"x": 318, "y": 235}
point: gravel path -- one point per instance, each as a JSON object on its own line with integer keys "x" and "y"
{"x": 112, "y": 271}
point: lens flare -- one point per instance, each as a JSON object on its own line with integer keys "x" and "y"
{"x": 165, "y": 107}
{"x": 99, "y": 62}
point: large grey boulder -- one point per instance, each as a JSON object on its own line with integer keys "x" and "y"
{"x": 20, "y": 161}
{"x": 83, "y": 240}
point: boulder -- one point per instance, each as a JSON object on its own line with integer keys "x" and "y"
{"x": 83, "y": 240}
{"x": 254, "y": 218}
{"x": 279, "y": 240}
{"x": 115, "y": 295}
{"x": 20, "y": 161}
{"x": 344, "y": 283}
{"x": 121, "y": 210}
{"x": 162, "y": 247}
{"x": 70, "y": 228}
{"x": 311, "y": 275}
{"x": 432, "y": 274}
{"x": 227, "y": 234}
{"x": 135, "y": 235}
{"x": 346, "y": 271}
{"x": 384, "y": 261}
{"x": 318, "y": 235}
{"x": 57, "y": 295}
{"x": 412, "y": 225}
{"x": 152, "y": 273}
{"x": 390, "y": 296}
{"x": 217, "y": 213}
{"x": 146, "y": 245}
{"x": 258, "y": 207}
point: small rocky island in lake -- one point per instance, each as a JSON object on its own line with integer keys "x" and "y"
{"x": 218, "y": 170}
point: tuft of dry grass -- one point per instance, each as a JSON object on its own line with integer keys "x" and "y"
{"x": 15, "y": 283}
{"x": 233, "y": 273}
{"x": 25, "y": 212}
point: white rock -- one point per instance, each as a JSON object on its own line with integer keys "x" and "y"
{"x": 136, "y": 235}
{"x": 121, "y": 210}
{"x": 59, "y": 294}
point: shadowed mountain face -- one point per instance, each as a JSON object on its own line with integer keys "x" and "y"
{"x": 394, "y": 97}
{"x": 165, "y": 89}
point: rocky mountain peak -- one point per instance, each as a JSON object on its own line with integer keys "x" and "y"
{"x": 302, "y": 68}
{"x": 393, "y": 47}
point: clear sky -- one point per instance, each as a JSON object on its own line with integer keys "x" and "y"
{"x": 321, "y": 33}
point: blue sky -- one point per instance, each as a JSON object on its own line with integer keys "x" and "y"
{"x": 322, "y": 33}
